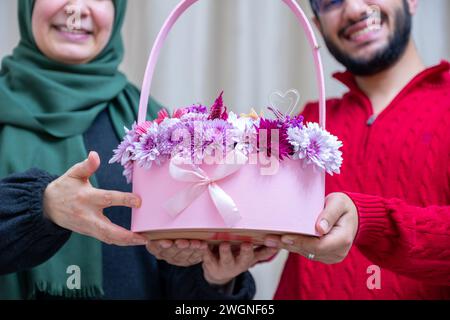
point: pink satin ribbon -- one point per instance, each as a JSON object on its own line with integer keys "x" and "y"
{"x": 199, "y": 182}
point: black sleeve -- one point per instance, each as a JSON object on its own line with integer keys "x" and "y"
{"x": 27, "y": 238}
{"x": 189, "y": 284}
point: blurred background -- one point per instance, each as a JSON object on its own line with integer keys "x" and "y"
{"x": 248, "y": 48}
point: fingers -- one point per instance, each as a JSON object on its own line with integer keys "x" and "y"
{"x": 156, "y": 247}
{"x": 223, "y": 268}
{"x": 246, "y": 256}
{"x": 199, "y": 250}
{"x": 107, "y": 232}
{"x": 226, "y": 256}
{"x": 265, "y": 253}
{"x": 224, "y": 260}
{"x": 272, "y": 241}
{"x": 110, "y": 198}
{"x": 85, "y": 169}
{"x": 331, "y": 248}
{"x": 180, "y": 252}
{"x": 294, "y": 243}
{"x": 301, "y": 244}
{"x": 335, "y": 207}
{"x": 209, "y": 260}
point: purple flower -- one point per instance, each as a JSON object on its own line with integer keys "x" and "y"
{"x": 125, "y": 151}
{"x": 295, "y": 122}
{"x": 128, "y": 171}
{"x": 190, "y": 117}
{"x": 197, "y": 109}
{"x": 217, "y": 135}
{"x": 280, "y": 148}
{"x": 316, "y": 146}
{"x": 193, "y": 138}
{"x": 146, "y": 151}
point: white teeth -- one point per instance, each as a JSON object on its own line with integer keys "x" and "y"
{"x": 71, "y": 30}
{"x": 369, "y": 28}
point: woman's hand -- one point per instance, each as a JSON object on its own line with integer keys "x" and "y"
{"x": 222, "y": 267}
{"x": 182, "y": 253}
{"x": 338, "y": 224}
{"x": 72, "y": 203}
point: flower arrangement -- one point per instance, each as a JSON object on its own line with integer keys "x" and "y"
{"x": 194, "y": 132}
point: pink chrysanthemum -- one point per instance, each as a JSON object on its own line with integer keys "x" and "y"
{"x": 162, "y": 114}
{"x": 281, "y": 148}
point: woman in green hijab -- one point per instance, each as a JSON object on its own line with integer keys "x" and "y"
{"x": 61, "y": 94}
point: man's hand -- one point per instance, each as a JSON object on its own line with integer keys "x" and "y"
{"x": 337, "y": 224}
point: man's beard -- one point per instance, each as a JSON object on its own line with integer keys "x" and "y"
{"x": 384, "y": 58}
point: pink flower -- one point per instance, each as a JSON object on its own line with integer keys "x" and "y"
{"x": 218, "y": 110}
{"x": 142, "y": 128}
{"x": 162, "y": 114}
{"x": 281, "y": 148}
{"x": 178, "y": 113}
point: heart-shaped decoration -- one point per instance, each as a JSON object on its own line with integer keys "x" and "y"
{"x": 285, "y": 101}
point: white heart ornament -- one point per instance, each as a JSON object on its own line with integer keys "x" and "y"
{"x": 285, "y": 101}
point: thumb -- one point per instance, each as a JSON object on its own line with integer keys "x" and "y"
{"x": 85, "y": 169}
{"x": 334, "y": 209}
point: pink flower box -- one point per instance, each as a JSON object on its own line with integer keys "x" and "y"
{"x": 243, "y": 206}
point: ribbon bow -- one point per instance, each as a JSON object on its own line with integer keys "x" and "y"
{"x": 200, "y": 181}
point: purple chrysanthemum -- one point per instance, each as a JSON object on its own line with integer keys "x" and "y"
{"x": 264, "y": 141}
{"x": 125, "y": 151}
{"x": 197, "y": 109}
{"x": 146, "y": 149}
{"x": 317, "y": 146}
{"x": 295, "y": 122}
{"x": 128, "y": 171}
{"x": 194, "y": 138}
{"x": 217, "y": 134}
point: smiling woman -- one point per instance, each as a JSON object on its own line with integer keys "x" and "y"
{"x": 56, "y": 38}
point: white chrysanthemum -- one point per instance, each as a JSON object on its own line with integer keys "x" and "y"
{"x": 243, "y": 133}
{"x": 194, "y": 117}
{"x": 168, "y": 122}
{"x": 317, "y": 146}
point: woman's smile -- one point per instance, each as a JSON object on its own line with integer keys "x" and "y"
{"x": 72, "y": 32}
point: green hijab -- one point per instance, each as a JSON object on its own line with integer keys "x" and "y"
{"x": 45, "y": 107}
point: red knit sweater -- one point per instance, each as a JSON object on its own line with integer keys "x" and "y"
{"x": 397, "y": 172}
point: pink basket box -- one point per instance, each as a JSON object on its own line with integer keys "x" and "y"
{"x": 287, "y": 202}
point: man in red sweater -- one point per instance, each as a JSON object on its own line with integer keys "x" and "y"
{"x": 386, "y": 222}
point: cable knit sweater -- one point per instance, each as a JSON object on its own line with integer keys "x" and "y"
{"x": 397, "y": 172}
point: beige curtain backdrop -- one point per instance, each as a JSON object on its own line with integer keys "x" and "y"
{"x": 248, "y": 48}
